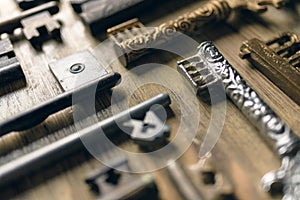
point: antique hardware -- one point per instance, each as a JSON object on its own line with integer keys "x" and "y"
{"x": 37, "y": 24}
{"x": 102, "y": 14}
{"x": 77, "y": 69}
{"x": 285, "y": 141}
{"x": 137, "y": 45}
{"x": 38, "y": 114}
{"x": 200, "y": 181}
{"x": 150, "y": 131}
{"x": 26, "y": 4}
{"x": 10, "y": 69}
{"x": 61, "y": 149}
{"x": 110, "y": 183}
{"x": 279, "y": 60}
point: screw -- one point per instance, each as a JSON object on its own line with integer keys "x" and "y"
{"x": 77, "y": 68}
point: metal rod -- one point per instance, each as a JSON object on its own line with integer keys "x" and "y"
{"x": 38, "y": 114}
{"x": 72, "y": 143}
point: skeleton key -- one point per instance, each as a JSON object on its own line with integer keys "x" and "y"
{"x": 61, "y": 149}
{"x": 279, "y": 60}
{"x": 136, "y": 46}
{"x": 77, "y": 73}
{"x": 285, "y": 141}
{"x": 37, "y": 24}
{"x": 27, "y": 4}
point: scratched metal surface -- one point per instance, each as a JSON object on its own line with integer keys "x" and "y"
{"x": 241, "y": 153}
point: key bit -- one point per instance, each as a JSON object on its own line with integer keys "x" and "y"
{"x": 111, "y": 183}
{"x": 150, "y": 131}
{"x": 284, "y": 140}
{"x": 37, "y": 24}
{"x": 201, "y": 181}
{"x": 27, "y": 4}
{"x": 10, "y": 69}
{"x": 137, "y": 45}
{"x": 279, "y": 60}
{"x": 41, "y": 27}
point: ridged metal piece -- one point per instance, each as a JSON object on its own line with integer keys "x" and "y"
{"x": 279, "y": 60}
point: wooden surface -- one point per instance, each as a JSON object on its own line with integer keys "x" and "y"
{"x": 241, "y": 152}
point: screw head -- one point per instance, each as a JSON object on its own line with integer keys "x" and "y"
{"x": 77, "y": 68}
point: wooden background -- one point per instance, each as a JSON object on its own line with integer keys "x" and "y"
{"x": 240, "y": 152}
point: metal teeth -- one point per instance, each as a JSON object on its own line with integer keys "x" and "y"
{"x": 287, "y": 45}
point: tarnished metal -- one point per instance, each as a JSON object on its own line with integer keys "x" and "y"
{"x": 215, "y": 10}
{"x": 10, "y": 68}
{"x": 110, "y": 183}
{"x": 279, "y": 60}
{"x": 285, "y": 141}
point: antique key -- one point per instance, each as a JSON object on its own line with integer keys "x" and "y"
{"x": 26, "y": 4}
{"x": 135, "y": 45}
{"x": 37, "y": 24}
{"x": 75, "y": 71}
{"x": 285, "y": 141}
{"x": 60, "y": 149}
{"x": 110, "y": 183}
{"x": 279, "y": 60}
{"x": 10, "y": 69}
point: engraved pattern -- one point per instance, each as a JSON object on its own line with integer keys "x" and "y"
{"x": 248, "y": 101}
{"x": 137, "y": 46}
{"x": 262, "y": 116}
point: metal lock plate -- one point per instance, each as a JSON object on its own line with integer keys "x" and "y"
{"x": 76, "y": 70}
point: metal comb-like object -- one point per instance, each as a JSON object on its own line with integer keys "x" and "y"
{"x": 279, "y": 60}
{"x": 285, "y": 141}
{"x": 136, "y": 45}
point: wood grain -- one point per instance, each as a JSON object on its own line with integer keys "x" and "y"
{"x": 241, "y": 152}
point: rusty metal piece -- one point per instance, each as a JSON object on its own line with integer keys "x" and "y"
{"x": 279, "y": 60}
{"x": 216, "y": 10}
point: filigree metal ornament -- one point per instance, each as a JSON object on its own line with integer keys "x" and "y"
{"x": 285, "y": 141}
{"x": 191, "y": 22}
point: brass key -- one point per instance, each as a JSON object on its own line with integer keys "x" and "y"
{"x": 279, "y": 60}
{"x": 136, "y": 46}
